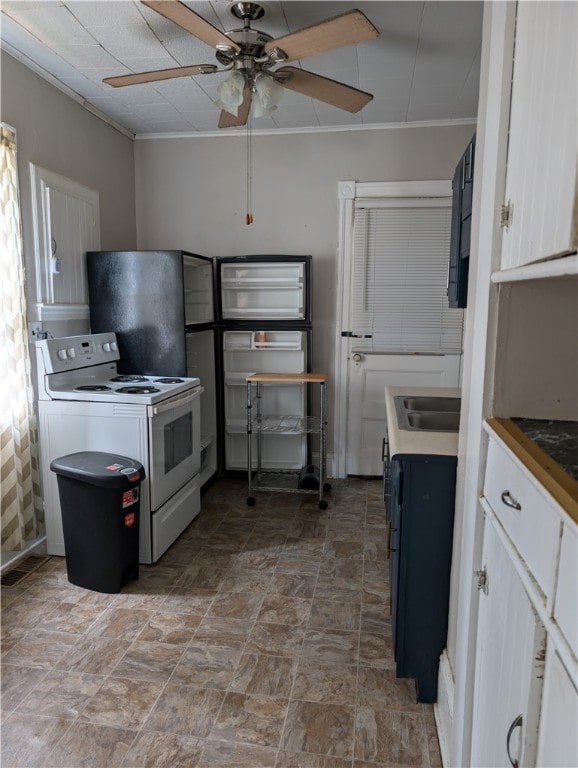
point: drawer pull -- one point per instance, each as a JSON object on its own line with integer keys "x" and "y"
{"x": 517, "y": 723}
{"x": 510, "y": 501}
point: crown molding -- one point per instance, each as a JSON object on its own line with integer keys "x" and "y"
{"x": 240, "y": 132}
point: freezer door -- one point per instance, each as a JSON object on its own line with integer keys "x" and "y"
{"x": 273, "y": 351}
{"x": 198, "y": 289}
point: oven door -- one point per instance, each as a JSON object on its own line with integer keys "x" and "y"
{"x": 174, "y": 445}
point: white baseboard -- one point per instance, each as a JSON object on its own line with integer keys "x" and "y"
{"x": 444, "y": 708}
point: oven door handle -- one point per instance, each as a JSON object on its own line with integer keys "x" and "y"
{"x": 176, "y": 402}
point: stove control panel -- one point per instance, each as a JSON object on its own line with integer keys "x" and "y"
{"x": 71, "y": 352}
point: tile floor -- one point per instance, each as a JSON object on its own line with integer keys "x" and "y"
{"x": 260, "y": 639}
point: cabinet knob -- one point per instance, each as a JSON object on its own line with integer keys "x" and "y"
{"x": 517, "y": 723}
{"x": 510, "y": 501}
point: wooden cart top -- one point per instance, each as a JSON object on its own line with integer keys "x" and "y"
{"x": 289, "y": 378}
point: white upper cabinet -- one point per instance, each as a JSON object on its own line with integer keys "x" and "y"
{"x": 541, "y": 192}
{"x": 66, "y": 221}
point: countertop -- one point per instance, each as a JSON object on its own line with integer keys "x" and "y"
{"x": 559, "y": 439}
{"x": 422, "y": 442}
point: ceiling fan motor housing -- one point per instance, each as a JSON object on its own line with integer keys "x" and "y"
{"x": 251, "y": 43}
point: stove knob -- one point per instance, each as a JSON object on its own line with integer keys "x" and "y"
{"x": 71, "y": 352}
{"x": 113, "y": 346}
{"x": 62, "y": 354}
{"x": 106, "y": 347}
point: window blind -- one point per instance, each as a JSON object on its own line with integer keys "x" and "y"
{"x": 399, "y": 278}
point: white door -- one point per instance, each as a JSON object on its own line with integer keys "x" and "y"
{"x": 396, "y": 324}
{"x": 368, "y": 375}
{"x": 509, "y": 665}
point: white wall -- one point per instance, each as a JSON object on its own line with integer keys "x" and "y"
{"x": 56, "y": 133}
{"x": 190, "y": 193}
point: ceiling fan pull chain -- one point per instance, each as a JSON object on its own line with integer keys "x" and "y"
{"x": 249, "y": 216}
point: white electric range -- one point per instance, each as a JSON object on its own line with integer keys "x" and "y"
{"x": 84, "y": 404}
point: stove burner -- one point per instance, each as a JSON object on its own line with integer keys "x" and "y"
{"x": 169, "y": 381}
{"x": 92, "y": 388}
{"x": 130, "y": 377}
{"x": 137, "y": 390}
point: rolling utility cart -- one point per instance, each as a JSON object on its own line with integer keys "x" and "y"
{"x": 308, "y": 479}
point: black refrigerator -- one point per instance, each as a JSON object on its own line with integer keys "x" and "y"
{"x": 177, "y": 313}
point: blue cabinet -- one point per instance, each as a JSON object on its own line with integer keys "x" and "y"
{"x": 462, "y": 192}
{"x": 421, "y": 516}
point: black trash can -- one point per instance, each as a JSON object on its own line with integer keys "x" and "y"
{"x": 100, "y": 503}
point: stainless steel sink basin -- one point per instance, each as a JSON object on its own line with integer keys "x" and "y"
{"x": 434, "y": 421}
{"x": 430, "y": 414}
{"x": 432, "y": 404}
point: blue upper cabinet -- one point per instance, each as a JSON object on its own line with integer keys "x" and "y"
{"x": 462, "y": 194}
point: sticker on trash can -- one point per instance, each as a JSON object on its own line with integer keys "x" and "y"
{"x": 114, "y": 467}
{"x": 129, "y": 498}
{"x": 129, "y": 519}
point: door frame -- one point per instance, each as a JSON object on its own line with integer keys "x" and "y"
{"x": 348, "y": 192}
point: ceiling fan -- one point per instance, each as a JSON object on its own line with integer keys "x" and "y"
{"x": 250, "y": 55}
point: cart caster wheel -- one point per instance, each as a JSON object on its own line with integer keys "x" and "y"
{"x": 326, "y": 488}
{"x": 323, "y": 504}
{"x": 250, "y": 501}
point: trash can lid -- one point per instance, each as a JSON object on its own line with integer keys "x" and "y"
{"x": 96, "y": 468}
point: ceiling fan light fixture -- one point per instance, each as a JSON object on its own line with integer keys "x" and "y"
{"x": 266, "y": 95}
{"x": 230, "y": 93}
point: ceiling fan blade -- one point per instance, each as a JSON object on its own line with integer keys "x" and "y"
{"x": 182, "y": 15}
{"x": 159, "y": 74}
{"x": 346, "y": 29}
{"x": 227, "y": 120}
{"x": 324, "y": 89}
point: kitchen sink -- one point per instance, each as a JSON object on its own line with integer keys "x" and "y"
{"x": 432, "y": 404}
{"x": 430, "y": 414}
{"x": 443, "y": 421}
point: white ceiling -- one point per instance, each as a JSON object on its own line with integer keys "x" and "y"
{"x": 424, "y": 66}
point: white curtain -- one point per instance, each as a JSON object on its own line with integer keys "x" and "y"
{"x": 20, "y": 511}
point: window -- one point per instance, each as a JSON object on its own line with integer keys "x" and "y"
{"x": 399, "y": 277}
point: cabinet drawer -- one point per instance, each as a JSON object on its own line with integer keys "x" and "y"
{"x": 527, "y": 515}
{"x": 566, "y": 606}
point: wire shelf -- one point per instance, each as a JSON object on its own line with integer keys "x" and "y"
{"x": 298, "y": 425}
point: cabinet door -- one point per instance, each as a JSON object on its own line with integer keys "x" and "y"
{"x": 541, "y": 171}
{"x": 558, "y": 742}
{"x": 395, "y": 542}
{"x": 509, "y": 664}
